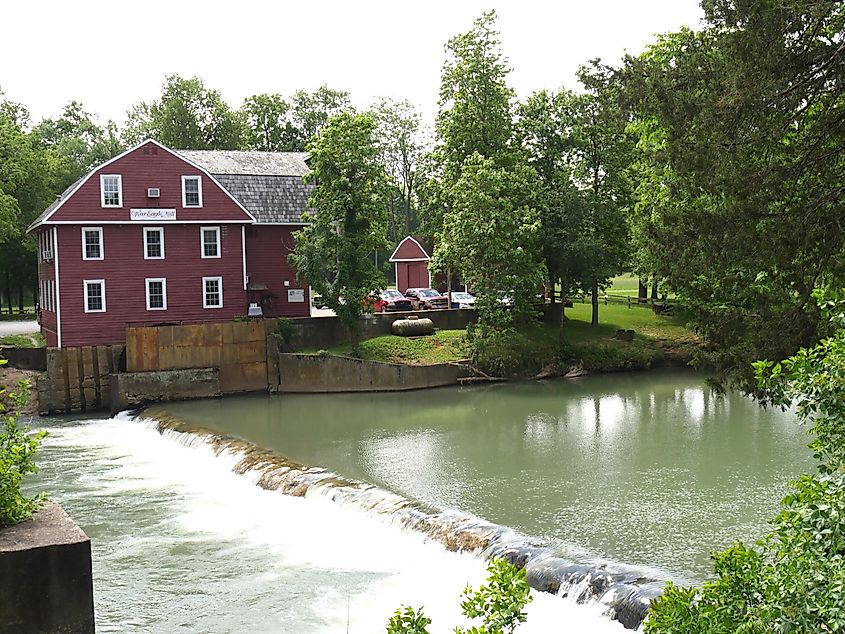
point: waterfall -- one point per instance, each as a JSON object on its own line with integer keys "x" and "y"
{"x": 623, "y": 593}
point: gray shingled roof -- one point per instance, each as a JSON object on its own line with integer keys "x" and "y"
{"x": 268, "y": 184}
{"x": 249, "y": 163}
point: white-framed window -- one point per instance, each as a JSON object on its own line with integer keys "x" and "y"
{"x": 153, "y": 243}
{"x": 212, "y": 292}
{"x": 156, "y": 293}
{"x": 192, "y": 191}
{"x": 111, "y": 190}
{"x": 95, "y": 296}
{"x": 210, "y": 242}
{"x": 92, "y": 243}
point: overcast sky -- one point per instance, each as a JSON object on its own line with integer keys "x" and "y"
{"x": 109, "y": 55}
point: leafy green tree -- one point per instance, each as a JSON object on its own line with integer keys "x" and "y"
{"x": 794, "y": 579}
{"x": 402, "y": 145}
{"x": 481, "y": 201}
{"x": 268, "y": 127}
{"x": 349, "y": 219}
{"x": 406, "y": 620}
{"x": 544, "y": 129}
{"x": 310, "y": 113}
{"x": 188, "y": 116}
{"x": 602, "y": 154}
{"x": 750, "y": 111}
{"x": 17, "y": 458}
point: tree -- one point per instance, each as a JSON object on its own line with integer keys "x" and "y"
{"x": 310, "y": 113}
{"x": 602, "y": 153}
{"x": 268, "y": 127}
{"x": 349, "y": 219}
{"x": 750, "y": 112}
{"x": 402, "y": 145}
{"x": 481, "y": 201}
{"x": 188, "y": 116}
{"x": 544, "y": 128}
{"x": 793, "y": 580}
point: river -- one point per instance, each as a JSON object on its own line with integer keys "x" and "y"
{"x": 644, "y": 472}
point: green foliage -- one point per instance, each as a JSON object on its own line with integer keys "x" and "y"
{"x": 282, "y": 334}
{"x": 349, "y": 221}
{"x": 188, "y": 116}
{"x": 794, "y": 579}
{"x": 499, "y": 603}
{"x": 441, "y": 347}
{"x": 741, "y": 140}
{"x": 406, "y": 620}
{"x": 17, "y": 459}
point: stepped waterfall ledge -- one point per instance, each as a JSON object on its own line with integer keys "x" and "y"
{"x": 625, "y": 594}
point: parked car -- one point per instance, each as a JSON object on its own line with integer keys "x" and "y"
{"x": 317, "y": 301}
{"x": 391, "y": 300}
{"x": 426, "y": 298}
{"x": 461, "y": 299}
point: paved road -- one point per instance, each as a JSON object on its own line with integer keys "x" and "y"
{"x": 18, "y": 327}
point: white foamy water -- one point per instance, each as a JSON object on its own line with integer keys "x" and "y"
{"x": 181, "y": 543}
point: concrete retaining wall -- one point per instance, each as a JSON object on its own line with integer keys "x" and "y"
{"x": 132, "y": 389}
{"x": 45, "y": 576}
{"x": 25, "y": 358}
{"x": 327, "y": 332}
{"x": 316, "y": 373}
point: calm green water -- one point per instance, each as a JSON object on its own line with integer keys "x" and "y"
{"x": 650, "y": 469}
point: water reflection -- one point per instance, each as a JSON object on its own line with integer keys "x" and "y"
{"x": 653, "y": 469}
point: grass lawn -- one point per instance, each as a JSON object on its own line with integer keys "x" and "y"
{"x": 538, "y": 346}
{"x": 35, "y": 340}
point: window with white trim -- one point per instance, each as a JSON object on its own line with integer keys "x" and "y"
{"x": 92, "y": 243}
{"x": 156, "y": 293}
{"x": 212, "y": 292}
{"x": 210, "y": 242}
{"x": 192, "y": 191}
{"x": 95, "y": 296}
{"x": 153, "y": 243}
{"x": 111, "y": 190}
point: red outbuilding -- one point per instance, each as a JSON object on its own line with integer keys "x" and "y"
{"x": 157, "y": 236}
{"x": 410, "y": 260}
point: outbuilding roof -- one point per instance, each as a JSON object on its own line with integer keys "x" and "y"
{"x": 268, "y": 184}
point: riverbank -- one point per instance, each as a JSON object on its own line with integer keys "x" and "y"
{"x": 537, "y": 350}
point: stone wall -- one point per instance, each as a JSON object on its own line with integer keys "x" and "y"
{"x": 319, "y": 373}
{"x": 46, "y": 584}
{"x": 133, "y": 389}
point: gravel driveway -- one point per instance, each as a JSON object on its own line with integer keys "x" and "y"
{"x": 23, "y": 327}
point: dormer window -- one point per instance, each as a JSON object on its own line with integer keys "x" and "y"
{"x": 191, "y": 191}
{"x": 111, "y": 190}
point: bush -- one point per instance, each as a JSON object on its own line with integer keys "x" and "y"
{"x": 499, "y": 604}
{"x": 283, "y": 333}
{"x": 509, "y": 352}
{"x": 17, "y": 460}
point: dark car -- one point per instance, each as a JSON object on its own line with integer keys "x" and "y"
{"x": 390, "y": 301}
{"x": 427, "y": 298}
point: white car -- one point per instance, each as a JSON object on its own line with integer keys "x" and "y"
{"x": 460, "y": 299}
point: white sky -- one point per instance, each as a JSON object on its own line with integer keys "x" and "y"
{"x": 110, "y": 55}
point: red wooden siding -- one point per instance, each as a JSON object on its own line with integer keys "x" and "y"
{"x": 124, "y": 270}
{"x": 149, "y": 166}
{"x": 267, "y": 249}
{"x": 411, "y": 275}
{"x": 408, "y": 249}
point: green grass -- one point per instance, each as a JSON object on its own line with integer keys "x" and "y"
{"x": 443, "y": 346}
{"x": 537, "y": 347}
{"x": 35, "y": 340}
